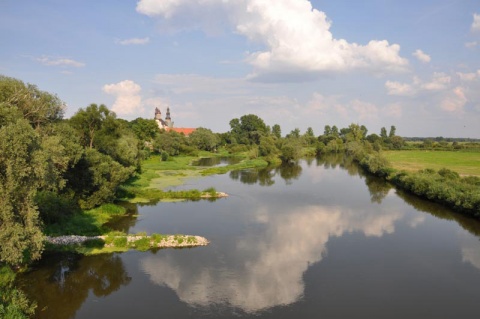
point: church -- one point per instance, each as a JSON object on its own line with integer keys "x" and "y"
{"x": 167, "y": 124}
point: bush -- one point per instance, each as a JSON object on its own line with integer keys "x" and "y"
{"x": 142, "y": 244}
{"x": 53, "y": 207}
{"x": 164, "y": 156}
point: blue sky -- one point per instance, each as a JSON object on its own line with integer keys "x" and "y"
{"x": 297, "y": 63}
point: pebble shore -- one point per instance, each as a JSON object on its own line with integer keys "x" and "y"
{"x": 170, "y": 241}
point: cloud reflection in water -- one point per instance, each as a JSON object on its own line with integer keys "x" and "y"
{"x": 270, "y": 270}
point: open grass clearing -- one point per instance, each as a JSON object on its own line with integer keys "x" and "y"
{"x": 464, "y": 163}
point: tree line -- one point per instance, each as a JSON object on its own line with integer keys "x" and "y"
{"x": 51, "y": 168}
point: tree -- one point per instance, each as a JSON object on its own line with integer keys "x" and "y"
{"x": 290, "y": 151}
{"x": 327, "y": 131}
{"x": 277, "y": 131}
{"x": 397, "y": 142}
{"x": 335, "y": 131}
{"x": 309, "y": 136}
{"x": 99, "y": 177}
{"x": 204, "y": 139}
{"x": 21, "y": 237}
{"x": 354, "y": 133}
{"x": 170, "y": 142}
{"x": 89, "y": 121}
{"x": 145, "y": 130}
{"x": 295, "y": 133}
{"x": 36, "y": 106}
{"x": 383, "y": 133}
{"x": 248, "y": 129}
{"x": 267, "y": 147}
{"x": 392, "y": 131}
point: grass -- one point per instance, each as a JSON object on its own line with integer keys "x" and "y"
{"x": 159, "y": 175}
{"x": 253, "y": 163}
{"x": 87, "y": 223}
{"x": 464, "y": 163}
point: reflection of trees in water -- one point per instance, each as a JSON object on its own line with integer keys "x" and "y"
{"x": 334, "y": 160}
{"x": 266, "y": 176}
{"x": 123, "y": 223}
{"x": 289, "y": 171}
{"x": 377, "y": 187}
{"x": 469, "y": 224}
{"x": 63, "y": 283}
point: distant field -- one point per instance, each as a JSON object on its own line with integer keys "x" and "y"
{"x": 464, "y": 163}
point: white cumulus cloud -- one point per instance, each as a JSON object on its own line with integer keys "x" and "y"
{"x": 455, "y": 101}
{"x": 476, "y": 23}
{"x": 134, "y": 41}
{"x": 296, "y": 37}
{"x": 421, "y": 56}
{"x": 397, "y": 88}
{"x": 439, "y": 82}
{"x": 127, "y": 93}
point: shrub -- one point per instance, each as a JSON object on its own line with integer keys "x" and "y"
{"x": 142, "y": 244}
{"x": 120, "y": 241}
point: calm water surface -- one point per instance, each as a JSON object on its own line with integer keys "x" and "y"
{"x": 318, "y": 239}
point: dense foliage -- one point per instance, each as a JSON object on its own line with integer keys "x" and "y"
{"x": 50, "y": 168}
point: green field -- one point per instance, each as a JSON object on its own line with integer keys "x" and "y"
{"x": 464, "y": 163}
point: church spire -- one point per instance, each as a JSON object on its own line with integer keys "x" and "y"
{"x": 168, "y": 119}
{"x": 168, "y": 114}
{"x": 158, "y": 114}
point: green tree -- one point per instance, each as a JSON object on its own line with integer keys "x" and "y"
{"x": 383, "y": 133}
{"x": 101, "y": 177}
{"x": 335, "y": 132}
{"x": 145, "y": 130}
{"x": 397, "y": 142}
{"x": 393, "y": 129}
{"x": 36, "y": 106}
{"x": 204, "y": 139}
{"x": 170, "y": 142}
{"x": 295, "y": 133}
{"x": 290, "y": 150}
{"x": 89, "y": 121}
{"x": 248, "y": 129}
{"x": 277, "y": 131}
{"x": 327, "y": 131}
{"x": 21, "y": 168}
{"x": 354, "y": 133}
{"x": 267, "y": 147}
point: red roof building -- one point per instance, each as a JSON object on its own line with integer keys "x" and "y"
{"x": 182, "y": 130}
{"x": 167, "y": 124}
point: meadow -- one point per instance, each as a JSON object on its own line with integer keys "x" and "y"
{"x": 464, "y": 163}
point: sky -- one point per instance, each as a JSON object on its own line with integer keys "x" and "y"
{"x": 297, "y": 63}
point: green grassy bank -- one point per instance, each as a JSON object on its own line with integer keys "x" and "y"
{"x": 464, "y": 163}
{"x": 444, "y": 185}
{"x": 149, "y": 186}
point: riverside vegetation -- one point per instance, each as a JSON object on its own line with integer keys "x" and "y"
{"x": 67, "y": 176}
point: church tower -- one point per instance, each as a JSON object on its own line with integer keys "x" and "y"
{"x": 168, "y": 119}
{"x": 158, "y": 114}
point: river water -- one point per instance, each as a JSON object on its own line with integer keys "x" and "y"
{"x": 318, "y": 239}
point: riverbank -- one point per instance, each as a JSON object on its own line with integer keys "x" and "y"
{"x": 88, "y": 230}
{"x": 443, "y": 186}
{"x": 157, "y": 177}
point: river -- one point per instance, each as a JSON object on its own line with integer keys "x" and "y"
{"x": 318, "y": 239}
